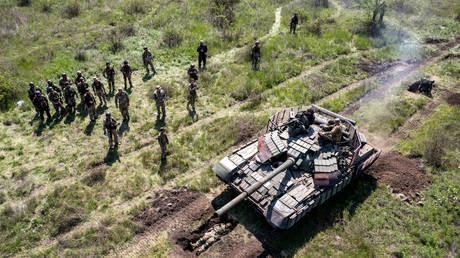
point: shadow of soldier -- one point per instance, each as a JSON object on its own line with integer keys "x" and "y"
{"x": 112, "y": 156}
{"x": 193, "y": 114}
{"x": 82, "y": 111}
{"x": 35, "y": 118}
{"x": 109, "y": 95}
{"x": 69, "y": 118}
{"x": 39, "y": 130}
{"x": 147, "y": 77}
{"x": 100, "y": 109}
{"x": 89, "y": 128}
{"x": 323, "y": 217}
{"x": 124, "y": 127}
{"x": 162, "y": 169}
{"x": 159, "y": 124}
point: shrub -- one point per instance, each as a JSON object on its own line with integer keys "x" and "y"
{"x": 116, "y": 45}
{"x": 24, "y": 2}
{"x": 72, "y": 10}
{"x": 136, "y": 7}
{"x": 126, "y": 30}
{"x": 172, "y": 37}
{"x": 9, "y": 92}
{"x": 81, "y": 55}
{"x": 46, "y": 6}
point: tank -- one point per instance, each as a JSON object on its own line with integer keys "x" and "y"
{"x": 291, "y": 169}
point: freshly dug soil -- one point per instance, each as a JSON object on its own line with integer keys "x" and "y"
{"x": 377, "y": 67}
{"x": 401, "y": 174}
{"x": 454, "y": 99}
{"x": 166, "y": 203}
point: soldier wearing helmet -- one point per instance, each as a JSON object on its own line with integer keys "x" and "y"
{"x": 192, "y": 72}
{"x": 99, "y": 90}
{"x": 31, "y": 94}
{"x": 147, "y": 58}
{"x": 255, "y": 55}
{"x": 109, "y": 74}
{"x": 163, "y": 141}
{"x": 64, "y": 80}
{"x": 110, "y": 129}
{"x": 160, "y": 98}
{"x": 41, "y": 103}
{"x": 122, "y": 102}
{"x": 202, "y": 54}
{"x": 126, "y": 71}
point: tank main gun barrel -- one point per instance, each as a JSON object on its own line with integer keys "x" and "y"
{"x": 288, "y": 163}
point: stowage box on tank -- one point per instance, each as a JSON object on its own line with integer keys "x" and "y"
{"x": 291, "y": 169}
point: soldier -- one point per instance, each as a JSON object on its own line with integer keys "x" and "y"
{"x": 192, "y": 88}
{"x": 64, "y": 79}
{"x": 110, "y": 129}
{"x": 202, "y": 50}
{"x": 255, "y": 55}
{"x": 109, "y": 74}
{"x": 31, "y": 94}
{"x": 69, "y": 97}
{"x": 56, "y": 98}
{"x": 192, "y": 72}
{"x": 82, "y": 87}
{"x": 210, "y": 237}
{"x": 163, "y": 141}
{"x": 79, "y": 78}
{"x": 426, "y": 86}
{"x": 41, "y": 103}
{"x": 126, "y": 71}
{"x": 99, "y": 90}
{"x": 294, "y": 23}
{"x": 52, "y": 86}
{"x": 122, "y": 101}
{"x": 333, "y": 133}
{"x": 160, "y": 97}
{"x": 90, "y": 103}
{"x": 147, "y": 58}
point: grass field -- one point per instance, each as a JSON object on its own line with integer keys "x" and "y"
{"x": 62, "y": 193}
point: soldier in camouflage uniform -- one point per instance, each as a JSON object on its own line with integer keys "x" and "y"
{"x": 332, "y": 133}
{"x": 99, "y": 90}
{"x": 64, "y": 80}
{"x": 109, "y": 74}
{"x": 160, "y": 97}
{"x": 122, "y": 102}
{"x": 110, "y": 129}
{"x": 31, "y": 94}
{"x": 69, "y": 97}
{"x": 90, "y": 103}
{"x": 147, "y": 58}
{"x": 192, "y": 72}
{"x": 210, "y": 237}
{"x": 294, "y": 23}
{"x": 56, "y": 99}
{"x": 192, "y": 88}
{"x": 82, "y": 87}
{"x": 41, "y": 103}
{"x": 126, "y": 71}
{"x": 255, "y": 56}
{"x": 202, "y": 50}
{"x": 79, "y": 78}
{"x": 163, "y": 141}
{"x": 52, "y": 86}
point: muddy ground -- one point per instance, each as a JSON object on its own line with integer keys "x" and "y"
{"x": 403, "y": 175}
{"x": 453, "y": 99}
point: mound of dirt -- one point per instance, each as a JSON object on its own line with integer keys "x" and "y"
{"x": 454, "y": 99}
{"x": 376, "y": 67}
{"x": 166, "y": 203}
{"x": 401, "y": 174}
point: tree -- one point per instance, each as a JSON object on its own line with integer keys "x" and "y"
{"x": 377, "y": 10}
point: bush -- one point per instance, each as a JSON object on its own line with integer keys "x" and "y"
{"x": 46, "y": 6}
{"x": 172, "y": 37}
{"x": 9, "y": 91}
{"x": 24, "y": 2}
{"x": 136, "y": 7}
{"x": 116, "y": 45}
{"x": 81, "y": 55}
{"x": 72, "y": 10}
{"x": 126, "y": 30}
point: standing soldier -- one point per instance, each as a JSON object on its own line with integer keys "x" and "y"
{"x": 192, "y": 88}
{"x": 56, "y": 98}
{"x": 109, "y": 74}
{"x": 147, "y": 57}
{"x": 31, "y": 93}
{"x": 293, "y": 24}
{"x": 41, "y": 103}
{"x": 90, "y": 103}
{"x": 163, "y": 141}
{"x": 52, "y": 86}
{"x": 110, "y": 129}
{"x": 79, "y": 78}
{"x": 122, "y": 101}
{"x": 160, "y": 97}
{"x": 64, "y": 80}
{"x": 69, "y": 97}
{"x": 192, "y": 72}
{"x": 82, "y": 87}
{"x": 255, "y": 55}
{"x": 99, "y": 90}
{"x": 202, "y": 50}
{"x": 126, "y": 71}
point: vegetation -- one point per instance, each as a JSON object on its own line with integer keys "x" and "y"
{"x": 63, "y": 194}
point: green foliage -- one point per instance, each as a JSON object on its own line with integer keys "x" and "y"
{"x": 9, "y": 91}
{"x": 72, "y": 10}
